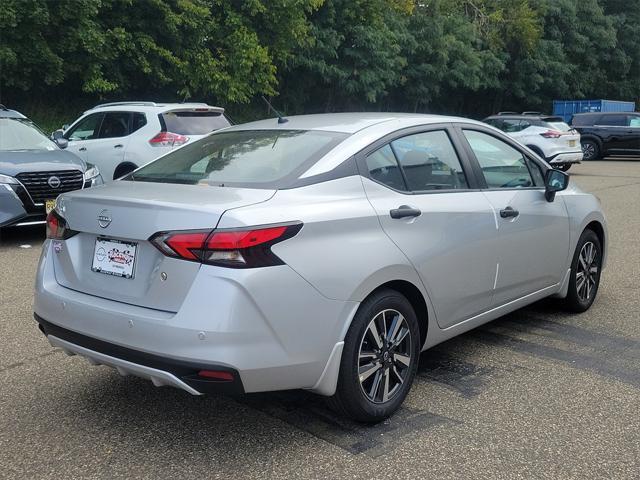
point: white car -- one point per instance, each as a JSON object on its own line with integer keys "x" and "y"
{"x": 120, "y": 137}
{"x": 548, "y": 136}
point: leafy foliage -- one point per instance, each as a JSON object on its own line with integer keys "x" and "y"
{"x": 451, "y": 56}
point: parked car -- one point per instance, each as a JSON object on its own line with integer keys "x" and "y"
{"x": 605, "y": 134}
{"x": 548, "y": 136}
{"x": 119, "y": 137}
{"x": 34, "y": 171}
{"x": 314, "y": 253}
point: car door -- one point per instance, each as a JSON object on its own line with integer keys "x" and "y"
{"x": 108, "y": 149}
{"x": 83, "y": 133}
{"x": 426, "y": 203}
{"x": 533, "y": 234}
{"x": 617, "y": 134}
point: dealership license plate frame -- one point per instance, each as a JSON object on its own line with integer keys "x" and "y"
{"x": 98, "y": 264}
{"x": 49, "y": 205}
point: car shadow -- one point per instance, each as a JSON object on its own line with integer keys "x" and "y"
{"x": 32, "y": 235}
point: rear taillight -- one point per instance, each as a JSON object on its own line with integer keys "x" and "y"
{"x": 236, "y": 248}
{"x": 57, "y": 227}
{"x": 168, "y": 139}
{"x": 551, "y": 134}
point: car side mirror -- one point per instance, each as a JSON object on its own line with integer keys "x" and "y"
{"x": 57, "y": 134}
{"x": 555, "y": 181}
{"x": 62, "y": 142}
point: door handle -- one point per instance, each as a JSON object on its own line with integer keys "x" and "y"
{"x": 404, "y": 211}
{"x": 82, "y": 149}
{"x": 509, "y": 212}
{"x": 118, "y": 146}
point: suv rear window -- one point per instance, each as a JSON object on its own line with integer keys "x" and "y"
{"x": 555, "y": 123}
{"x": 250, "y": 159}
{"x": 193, "y": 123}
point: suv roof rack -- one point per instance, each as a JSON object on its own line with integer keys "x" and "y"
{"x": 507, "y": 113}
{"x": 531, "y": 113}
{"x": 115, "y": 104}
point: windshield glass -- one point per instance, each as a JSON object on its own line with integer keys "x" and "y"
{"x": 251, "y": 158}
{"x": 193, "y": 123}
{"x": 22, "y": 134}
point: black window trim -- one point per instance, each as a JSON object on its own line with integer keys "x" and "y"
{"x": 467, "y": 170}
{"x": 459, "y": 127}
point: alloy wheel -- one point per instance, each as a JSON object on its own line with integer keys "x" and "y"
{"x": 587, "y": 271}
{"x": 384, "y": 356}
{"x": 588, "y": 150}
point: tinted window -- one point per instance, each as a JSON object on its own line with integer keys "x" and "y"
{"x": 502, "y": 165}
{"x": 193, "y": 123}
{"x": 115, "y": 124}
{"x": 252, "y": 159}
{"x": 383, "y": 168}
{"x": 429, "y": 162}
{"x": 86, "y": 129}
{"x": 139, "y": 120}
{"x": 512, "y": 126}
{"x": 21, "y": 134}
{"x": 613, "y": 120}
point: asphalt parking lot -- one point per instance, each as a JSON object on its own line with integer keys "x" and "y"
{"x": 536, "y": 394}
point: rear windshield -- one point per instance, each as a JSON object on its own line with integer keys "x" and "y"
{"x": 22, "y": 134}
{"x": 251, "y": 158}
{"x": 556, "y": 123}
{"x": 193, "y": 123}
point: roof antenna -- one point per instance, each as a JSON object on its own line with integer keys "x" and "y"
{"x": 281, "y": 119}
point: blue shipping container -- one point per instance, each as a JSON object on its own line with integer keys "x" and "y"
{"x": 566, "y": 108}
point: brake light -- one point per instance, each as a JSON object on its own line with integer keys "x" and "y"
{"x": 235, "y": 248}
{"x": 168, "y": 139}
{"x": 57, "y": 227}
{"x": 551, "y": 134}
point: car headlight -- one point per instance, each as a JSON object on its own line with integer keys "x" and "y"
{"x": 91, "y": 172}
{"x": 7, "y": 180}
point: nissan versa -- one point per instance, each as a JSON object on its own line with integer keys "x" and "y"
{"x": 322, "y": 252}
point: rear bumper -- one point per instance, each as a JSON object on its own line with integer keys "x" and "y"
{"x": 566, "y": 157}
{"x": 159, "y": 370}
{"x": 269, "y": 326}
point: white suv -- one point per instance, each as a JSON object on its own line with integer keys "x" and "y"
{"x": 548, "y": 136}
{"x": 120, "y": 137}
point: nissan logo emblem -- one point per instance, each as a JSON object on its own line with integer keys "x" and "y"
{"x": 104, "y": 218}
{"x": 54, "y": 182}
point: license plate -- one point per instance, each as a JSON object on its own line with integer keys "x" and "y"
{"x": 49, "y": 205}
{"x": 114, "y": 257}
{"x": 572, "y": 143}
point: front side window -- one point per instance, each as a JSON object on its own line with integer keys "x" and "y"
{"x": 250, "y": 158}
{"x": 115, "y": 124}
{"x": 429, "y": 162}
{"x": 86, "y": 129}
{"x": 502, "y": 165}
{"x": 22, "y": 134}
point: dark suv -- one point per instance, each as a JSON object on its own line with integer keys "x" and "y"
{"x": 602, "y": 134}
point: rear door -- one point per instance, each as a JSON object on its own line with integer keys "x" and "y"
{"x": 533, "y": 234}
{"x": 617, "y": 134}
{"x": 426, "y": 203}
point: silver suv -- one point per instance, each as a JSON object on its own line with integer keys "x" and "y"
{"x": 324, "y": 252}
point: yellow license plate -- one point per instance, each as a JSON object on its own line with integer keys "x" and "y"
{"x": 49, "y": 205}
{"x": 572, "y": 143}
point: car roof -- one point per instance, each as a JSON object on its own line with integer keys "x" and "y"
{"x": 143, "y": 106}
{"x": 349, "y": 123}
{"x": 524, "y": 117}
{"x": 593, "y": 114}
{"x": 8, "y": 113}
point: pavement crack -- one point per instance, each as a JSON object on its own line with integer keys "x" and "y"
{"x": 29, "y": 360}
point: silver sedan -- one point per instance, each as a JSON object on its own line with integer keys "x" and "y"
{"x": 321, "y": 252}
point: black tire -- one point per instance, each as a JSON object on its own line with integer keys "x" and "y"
{"x": 564, "y": 167}
{"x": 590, "y": 150}
{"x": 123, "y": 170}
{"x": 580, "y": 296}
{"x": 350, "y": 398}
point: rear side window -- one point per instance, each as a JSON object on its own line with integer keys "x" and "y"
{"x": 251, "y": 159}
{"x": 429, "y": 162}
{"x": 614, "y": 121}
{"x": 115, "y": 124}
{"x": 502, "y": 165}
{"x": 138, "y": 121}
{"x": 383, "y": 167}
{"x": 193, "y": 123}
